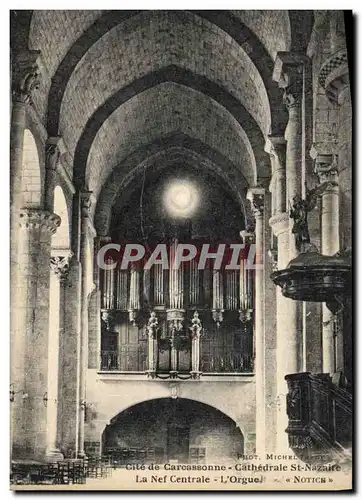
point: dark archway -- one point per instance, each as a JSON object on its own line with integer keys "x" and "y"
{"x": 178, "y": 430}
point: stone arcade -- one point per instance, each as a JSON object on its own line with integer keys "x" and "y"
{"x": 240, "y": 112}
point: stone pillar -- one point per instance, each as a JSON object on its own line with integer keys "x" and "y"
{"x": 277, "y": 184}
{"x": 289, "y": 73}
{"x": 326, "y": 168}
{"x": 95, "y": 305}
{"x": 25, "y": 79}
{"x": 345, "y": 164}
{"x": 256, "y": 196}
{"x": 29, "y": 360}
{"x": 59, "y": 269}
{"x": 334, "y": 78}
{"x": 86, "y": 255}
{"x": 69, "y": 346}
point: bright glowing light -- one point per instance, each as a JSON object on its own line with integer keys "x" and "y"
{"x": 181, "y": 198}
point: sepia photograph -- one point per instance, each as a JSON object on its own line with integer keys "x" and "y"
{"x": 181, "y": 250}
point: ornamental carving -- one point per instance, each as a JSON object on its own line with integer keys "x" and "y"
{"x": 60, "y": 266}
{"x": 196, "y": 327}
{"x": 248, "y": 237}
{"x": 26, "y": 76}
{"x": 39, "y": 219}
{"x": 52, "y": 155}
{"x": 299, "y": 213}
{"x": 326, "y": 167}
{"x": 292, "y": 97}
{"x": 288, "y": 72}
{"x": 333, "y": 76}
{"x": 257, "y": 205}
{"x": 256, "y": 196}
{"x": 86, "y": 203}
{"x": 152, "y": 326}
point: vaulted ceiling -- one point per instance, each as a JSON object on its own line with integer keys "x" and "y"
{"x": 125, "y": 88}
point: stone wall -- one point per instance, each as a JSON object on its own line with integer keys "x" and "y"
{"x": 108, "y": 395}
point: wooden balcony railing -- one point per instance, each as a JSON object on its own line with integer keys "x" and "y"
{"x": 222, "y": 362}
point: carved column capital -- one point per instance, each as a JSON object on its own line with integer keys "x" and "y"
{"x": 196, "y": 327}
{"x": 256, "y": 196}
{"x": 54, "y": 148}
{"x": 326, "y": 167}
{"x": 39, "y": 219}
{"x": 60, "y": 265}
{"x": 248, "y": 237}
{"x": 86, "y": 203}
{"x": 152, "y": 326}
{"x": 25, "y": 75}
{"x": 288, "y": 73}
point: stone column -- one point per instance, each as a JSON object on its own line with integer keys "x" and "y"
{"x": 25, "y": 79}
{"x": 326, "y": 168}
{"x": 289, "y": 73}
{"x": 286, "y": 337}
{"x": 69, "y": 346}
{"x": 95, "y": 306}
{"x": 334, "y": 78}
{"x": 29, "y": 360}
{"x": 277, "y": 151}
{"x": 256, "y": 196}
{"x": 86, "y": 255}
{"x": 59, "y": 269}
{"x": 345, "y": 164}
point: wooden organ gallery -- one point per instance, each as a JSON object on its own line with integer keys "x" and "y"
{"x": 177, "y": 322}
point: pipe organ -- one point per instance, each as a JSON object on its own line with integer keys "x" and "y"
{"x": 183, "y": 319}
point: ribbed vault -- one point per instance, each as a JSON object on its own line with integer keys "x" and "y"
{"x": 123, "y": 86}
{"x": 186, "y": 79}
{"x": 157, "y": 39}
{"x": 161, "y": 111}
{"x": 65, "y": 52}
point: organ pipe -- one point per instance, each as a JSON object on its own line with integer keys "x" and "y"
{"x": 217, "y": 290}
{"x": 134, "y": 293}
{"x": 207, "y": 284}
{"x": 121, "y": 291}
{"x": 176, "y": 281}
{"x": 231, "y": 290}
{"x": 217, "y": 296}
{"x": 194, "y": 283}
{"x": 158, "y": 286}
{"x": 108, "y": 287}
{"x": 147, "y": 286}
